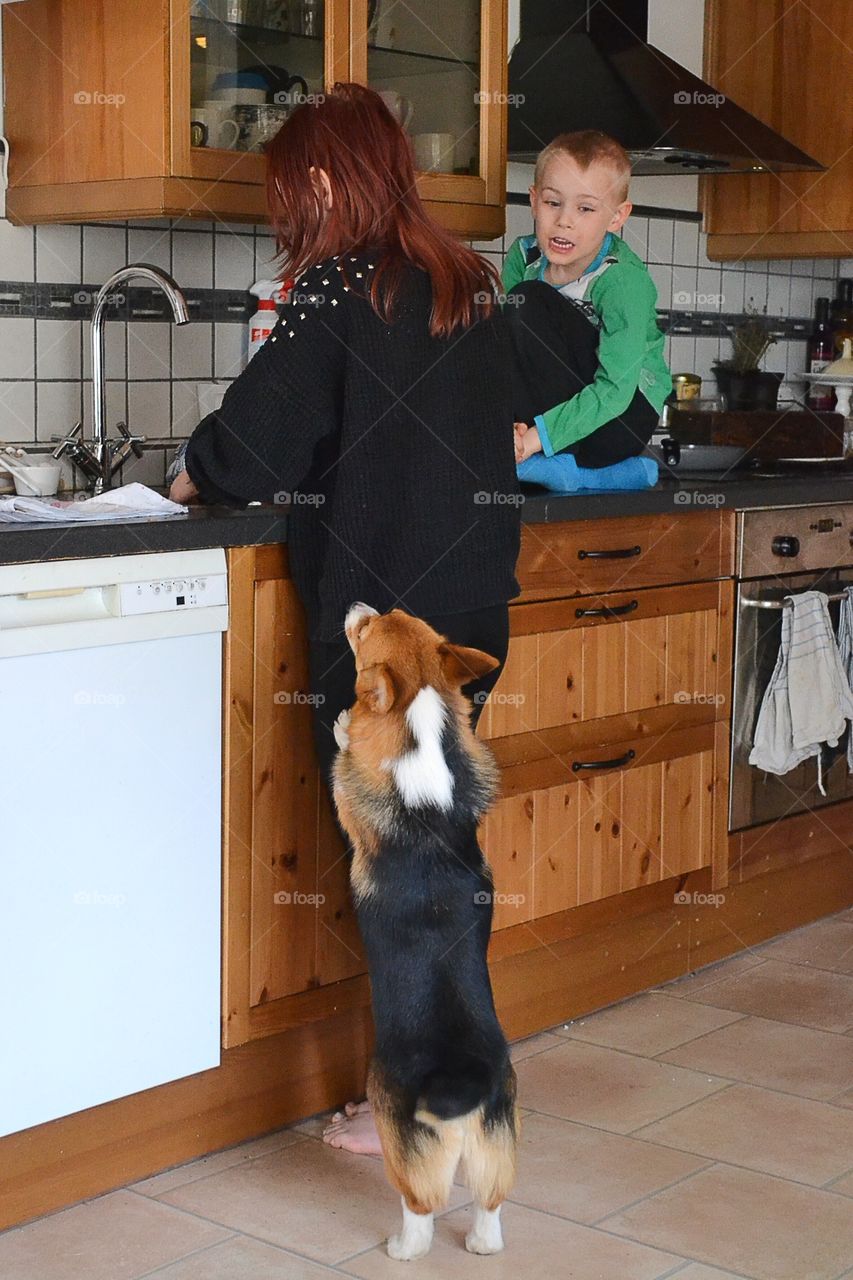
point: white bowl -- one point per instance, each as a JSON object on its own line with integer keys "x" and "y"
{"x": 37, "y": 480}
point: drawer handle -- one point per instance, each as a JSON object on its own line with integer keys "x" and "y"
{"x": 615, "y": 763}
{"x": 607, "y": 610}
{"x": 618, "y": 553}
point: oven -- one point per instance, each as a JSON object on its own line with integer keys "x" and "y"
{"x": 782, "y": 552}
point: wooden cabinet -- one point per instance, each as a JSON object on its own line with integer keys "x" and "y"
{"x": 289, "y": 923}
{"x": 132, "y": 111}
{"x": 609, "y": 723}
{"x": 791, "y": 65}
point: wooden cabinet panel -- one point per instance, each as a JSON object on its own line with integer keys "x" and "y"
{"x": 786, "y": 63}
{"x": 284, "y": 806}
{"x": 591, "y": 837}
{"x": 582, "y": 557}
{"x": 563, "y": 669}
{"x": 289, "y": 922}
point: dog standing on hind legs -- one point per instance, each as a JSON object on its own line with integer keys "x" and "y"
{"x": 411, "y": 782}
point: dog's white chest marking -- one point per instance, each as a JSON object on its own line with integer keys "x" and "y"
{"x": 422, "y": 775}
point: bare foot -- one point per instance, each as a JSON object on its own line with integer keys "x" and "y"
{"x": 354, "y": 1131}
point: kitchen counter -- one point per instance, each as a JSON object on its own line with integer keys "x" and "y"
{"x": 217, "y": 526}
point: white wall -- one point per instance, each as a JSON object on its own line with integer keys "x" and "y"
{"x": 676, "y": 27}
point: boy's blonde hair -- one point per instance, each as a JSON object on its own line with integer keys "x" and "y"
{"x": 586, "y": 147}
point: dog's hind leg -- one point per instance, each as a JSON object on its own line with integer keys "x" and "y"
{"x": 420, "y": 1161}
{"x": 489, "y": 1154}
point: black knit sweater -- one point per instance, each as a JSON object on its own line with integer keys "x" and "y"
{"x": 391, "y": 451}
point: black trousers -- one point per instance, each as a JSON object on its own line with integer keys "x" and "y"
{"x": 555, "y": 355}
{"x": 332, "y": 670}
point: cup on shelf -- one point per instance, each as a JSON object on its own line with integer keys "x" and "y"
{"x": 433, "y": 152}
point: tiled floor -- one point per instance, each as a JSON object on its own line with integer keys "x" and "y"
{"x": 703, "y": 1130}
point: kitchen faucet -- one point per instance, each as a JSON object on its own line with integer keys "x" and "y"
{"x": 100, "y": 461}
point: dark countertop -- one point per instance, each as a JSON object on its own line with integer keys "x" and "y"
{"x": 229, "y": 527}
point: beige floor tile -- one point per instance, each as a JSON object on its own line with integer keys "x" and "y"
{"x": 314, "y": 1125}
{"x": 538, "y": 1247}
{"x": 844, "y": 1186}
{"x": 826, "y": 944}
{"x": 775, "y": 1133}
{"x": 605, "y": 1088}
{"x": 648, "y": 1024}
{"x": 583, "y": 1174}
{"x": 845, "y": 915}
{"x": 531, "y": 1045}
{"x": 242, "y": 1258}
{"x": 322, "y": 1203}
{"x": 115, "y": 1237}
{"x": 786, "y": 993}
{"x": 215, "y": 1163}
{"x": 711, "y": 974}
{"x": 748, "y": 1223}
{"x": 778, "y": 1055}
{"x": 844, "y": 1099}
{"x": 698, "y": 1271}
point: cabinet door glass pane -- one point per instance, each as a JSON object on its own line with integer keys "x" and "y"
{"x": 424, "y": 57}
{"x": 251, "y": 63}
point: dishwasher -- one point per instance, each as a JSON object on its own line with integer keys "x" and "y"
{"x": 110, "y": 827}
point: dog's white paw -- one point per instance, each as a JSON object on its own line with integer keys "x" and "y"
{"x": 341, "y": 730}
{"x": 403, "y": 1250}
{"x": 485, "y": 1235}
{"x": 475, "y": 1243}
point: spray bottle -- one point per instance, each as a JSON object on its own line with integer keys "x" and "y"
{"x": 269, "y": 294}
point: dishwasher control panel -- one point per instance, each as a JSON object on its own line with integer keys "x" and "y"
{"x": 172, "y": 595}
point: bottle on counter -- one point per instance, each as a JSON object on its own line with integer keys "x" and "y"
{"x": 841, "y": 315}
{"x": 819, "y": 353}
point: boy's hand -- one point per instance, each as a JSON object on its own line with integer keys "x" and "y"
{"x": 519, "y": 429}
{"x": 527, "y": 443}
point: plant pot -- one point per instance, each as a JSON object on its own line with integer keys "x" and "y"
{"x": 755, "y": 389}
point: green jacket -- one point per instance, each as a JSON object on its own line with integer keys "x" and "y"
{"x": 618, "y": 296}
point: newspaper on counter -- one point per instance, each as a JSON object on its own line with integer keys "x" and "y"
{"x": 128, "y": 502}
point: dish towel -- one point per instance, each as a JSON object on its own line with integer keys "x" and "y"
{"x": 845, "y": 648}
{"x": 808, "y": 699}
{"x": 562, "y": 474}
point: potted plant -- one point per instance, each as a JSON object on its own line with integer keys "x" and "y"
{"x": 740, "y": 379}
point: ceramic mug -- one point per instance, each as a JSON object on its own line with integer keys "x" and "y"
{"x": 398, "y": 106}
{"x": 217, "y": 120}
{"x": 433, "y": 152}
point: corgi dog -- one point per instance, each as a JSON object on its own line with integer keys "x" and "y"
{"x": 410, "y": 783}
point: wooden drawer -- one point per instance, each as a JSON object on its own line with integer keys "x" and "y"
{"x": 586, "y": 556}
{"x": 599, "y": 656}
{"x": 575, "y": 836}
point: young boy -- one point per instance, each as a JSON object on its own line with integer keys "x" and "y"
{"x": 589, "y": 375}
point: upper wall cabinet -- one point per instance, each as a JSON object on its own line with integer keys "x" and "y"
{"x": 792, "y": 66}
{"x": 129, "y": 110}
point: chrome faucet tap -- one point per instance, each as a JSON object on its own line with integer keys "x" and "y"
{"x": 100, "y": 460}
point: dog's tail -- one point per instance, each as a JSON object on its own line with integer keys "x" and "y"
{"x": 448, "y": 1094}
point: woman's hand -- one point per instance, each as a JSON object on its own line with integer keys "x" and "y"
{"x": 527, "y": 441}
{"x": 183, "y": 489}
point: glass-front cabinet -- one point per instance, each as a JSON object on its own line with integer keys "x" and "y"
{"x": 439, "y": 65}
{"x": 163, "y": 108}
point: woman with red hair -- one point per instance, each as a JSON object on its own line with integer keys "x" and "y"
{"x": 379, "y": 410}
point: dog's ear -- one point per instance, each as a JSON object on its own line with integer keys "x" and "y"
{"x": 375, "y": 688}
{"x": 461, "y": 665}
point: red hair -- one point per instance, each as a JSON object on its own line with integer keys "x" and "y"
{"x": 353, "y": 136}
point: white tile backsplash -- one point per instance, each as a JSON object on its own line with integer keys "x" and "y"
{"x": 230, "y": 346}
{"x": 104, "y": 252}
{"x": 59, "y": 254}
{"x": 153, "y": 246}
{"x": 192, "y": 259}
{"x": 235, "y": 261}
{"x": 17, "y": 347}
{"x": 59, "y": 406}
{"x": 17, "y": 260}
{"x": 192, "y": 350}
{"x": 149, "y": 408}
{"x": 17, "y": 411}
{"x": 148, "y": 349}
{"x": 58, "y": 349}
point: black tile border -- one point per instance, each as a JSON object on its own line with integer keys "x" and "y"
{"x": 47, "y": 301}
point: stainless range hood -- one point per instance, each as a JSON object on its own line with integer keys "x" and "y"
{"x": 582, "y": 64}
